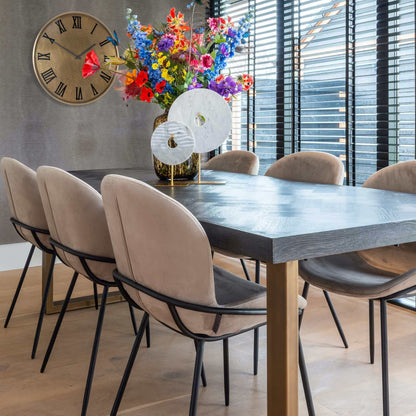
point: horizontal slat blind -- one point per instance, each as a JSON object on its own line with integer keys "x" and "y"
{"x": 333, "y": 76}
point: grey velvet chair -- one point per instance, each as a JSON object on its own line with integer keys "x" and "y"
{"x": 79, "y": 234}
{"x": 28, "y": 219}
{"x": 314, "y": 167}
{"x": 378, "y": 274}
{"x": 185, "y": 291}
{"x": 245, "y": 162}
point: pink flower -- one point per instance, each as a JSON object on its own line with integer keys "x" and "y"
{"x": 194, "y": 63}
{"x": 207, "y": 61}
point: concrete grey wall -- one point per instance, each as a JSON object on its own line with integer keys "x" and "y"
{"x": 38, "y": 130}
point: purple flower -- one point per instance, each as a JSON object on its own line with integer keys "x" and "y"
{"x": 165, "y": 43}
{"x": 231, "y": 33}
{"x": 224, "y": 50}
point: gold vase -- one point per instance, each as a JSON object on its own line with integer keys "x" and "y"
{"x": 184, "y": 171}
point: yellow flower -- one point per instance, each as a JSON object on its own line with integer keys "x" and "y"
{"x": 175, "y": 68}
{"x": 167, "y": 64}
{"x": 155, "y": 66}
{"x": 166, "y": 76}
{"x": 161, "y": 60}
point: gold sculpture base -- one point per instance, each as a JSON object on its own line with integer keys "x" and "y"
{"x": 172, "y": 183}
{"x": 199, "y": 182}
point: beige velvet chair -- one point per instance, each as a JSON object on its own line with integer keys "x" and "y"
{"x": 236, "y": 161}
{"x": 314, "y": 167}
{"x": 184, "y": 291}
{"x": 378, "y": 274}
{"x": 80, "y": 237}
{"x": 28, "y": 219}
{"x": 245, "y": 162}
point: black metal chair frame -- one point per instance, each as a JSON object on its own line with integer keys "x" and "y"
{"x": 34, "y": 231}
{"x": 199, "y": 340}
{"x": 83, "y": 257}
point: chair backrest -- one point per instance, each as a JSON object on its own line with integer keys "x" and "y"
{"x": 400, "y": 177}
{"x": 315, "y": 167}
{"x": 76, "y": 219}
{"x": 158, "y": 243}
{"x": 24, "y": 199}
{"x": 236, "y": 161}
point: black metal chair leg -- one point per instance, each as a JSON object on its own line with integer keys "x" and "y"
{"x": 19, "y": 285}
{"x": 243, "y": 264}
{"x": 148, "y": 335}
{"x": 197, "y": 375}
{"x": 94, "y": 285}
{"x": 305, "y": 292}
{"x": 203, "y": 377}
{"x": 226, "y": 372}
{"x": 127, "y": 371}
{"x": 384, "y": 358}
{"x": 371, "y": 324}
{"x": 43, "y": 307}
{"x": 59, "y": 322}
{"x": 133, "y": 319}
{"x": 305, "y": 381}
{"x": 94, "y": 351}
{"x": 335, "y": 317}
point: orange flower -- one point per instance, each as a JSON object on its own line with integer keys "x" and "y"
{"x": 176, "y": 22}
{"x": 130, "y": 77}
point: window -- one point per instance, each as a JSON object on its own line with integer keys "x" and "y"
{"x": 334, "y": 76}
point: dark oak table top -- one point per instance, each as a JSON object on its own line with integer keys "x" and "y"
{"x": 277, "y": 221}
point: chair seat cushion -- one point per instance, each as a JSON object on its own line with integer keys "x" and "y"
{"x": 348, "y": 274}
{"x": 233, "y": 291}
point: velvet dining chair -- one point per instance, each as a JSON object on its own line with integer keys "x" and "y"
{"x": 29, "y": 221}
{"x": 184, "y": 292}
{"x": 379, "y": 274}
{"x": 79, "y": 235}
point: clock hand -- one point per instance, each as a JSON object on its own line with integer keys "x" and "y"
{"x": 86, "y": 50}
{"x": 63, "y": 47}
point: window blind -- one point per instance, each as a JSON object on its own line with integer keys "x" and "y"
{"x": 333, "y": 76}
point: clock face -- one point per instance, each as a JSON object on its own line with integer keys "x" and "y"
{"x": 59, "y": 54}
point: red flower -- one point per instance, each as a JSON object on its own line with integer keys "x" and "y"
{"x": 247, "y": 81}
{"x": 207, "y": 61}
{"x": 160, "y": 86}
{"x": 141, "y": 79}
{"x": 146, "y": 94}
{"x": 91, "y": 65}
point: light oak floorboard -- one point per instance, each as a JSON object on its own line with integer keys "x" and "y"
{"x": 342, "y": 380}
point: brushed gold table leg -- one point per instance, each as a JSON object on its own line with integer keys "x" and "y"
{"x": 282, "y": 339}
{"x": 54, "y": 306}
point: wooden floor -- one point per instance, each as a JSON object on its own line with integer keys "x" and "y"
{"x": 342, "y": 380}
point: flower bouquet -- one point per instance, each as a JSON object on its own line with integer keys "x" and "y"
{"x": 162, "y": 63}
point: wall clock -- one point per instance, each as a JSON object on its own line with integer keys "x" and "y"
{"x": 59, "y": 53}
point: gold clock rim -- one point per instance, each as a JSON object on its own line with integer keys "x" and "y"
{"x": 34, "y": 59}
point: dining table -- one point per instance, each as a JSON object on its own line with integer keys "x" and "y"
{"x": 280, "y": 222}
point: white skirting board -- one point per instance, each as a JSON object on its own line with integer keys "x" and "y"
{"x": 13, "y": 256}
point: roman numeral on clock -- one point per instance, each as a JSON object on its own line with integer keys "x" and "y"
{"x": 60, "y": 90}
{"x": 44, "y": 56}
{"x": 48, "y": 75}
{"x": 94, "y": 91}
{"x": 104, "y": 42}
{"x": 77, "y": 22}
{"x": 51, "y": 40}
{"x": 105, "y": 76}
{"x": 78, "y": 93}
{"x": 92, "y": 31}
{"x": 61, "y": 26}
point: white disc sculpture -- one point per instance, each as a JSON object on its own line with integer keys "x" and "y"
{"x": 172, "y": 143}
{"x": 207, "y": 114}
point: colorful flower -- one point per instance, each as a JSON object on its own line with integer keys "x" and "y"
{"x": 91, "y": 65}
{"x": 141, "y": 79}
{"x": 207, "y": 61}
{"x": 146, "y": 94}
{"x": 176, "y": 22}
{"x": 160, "y": 86}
